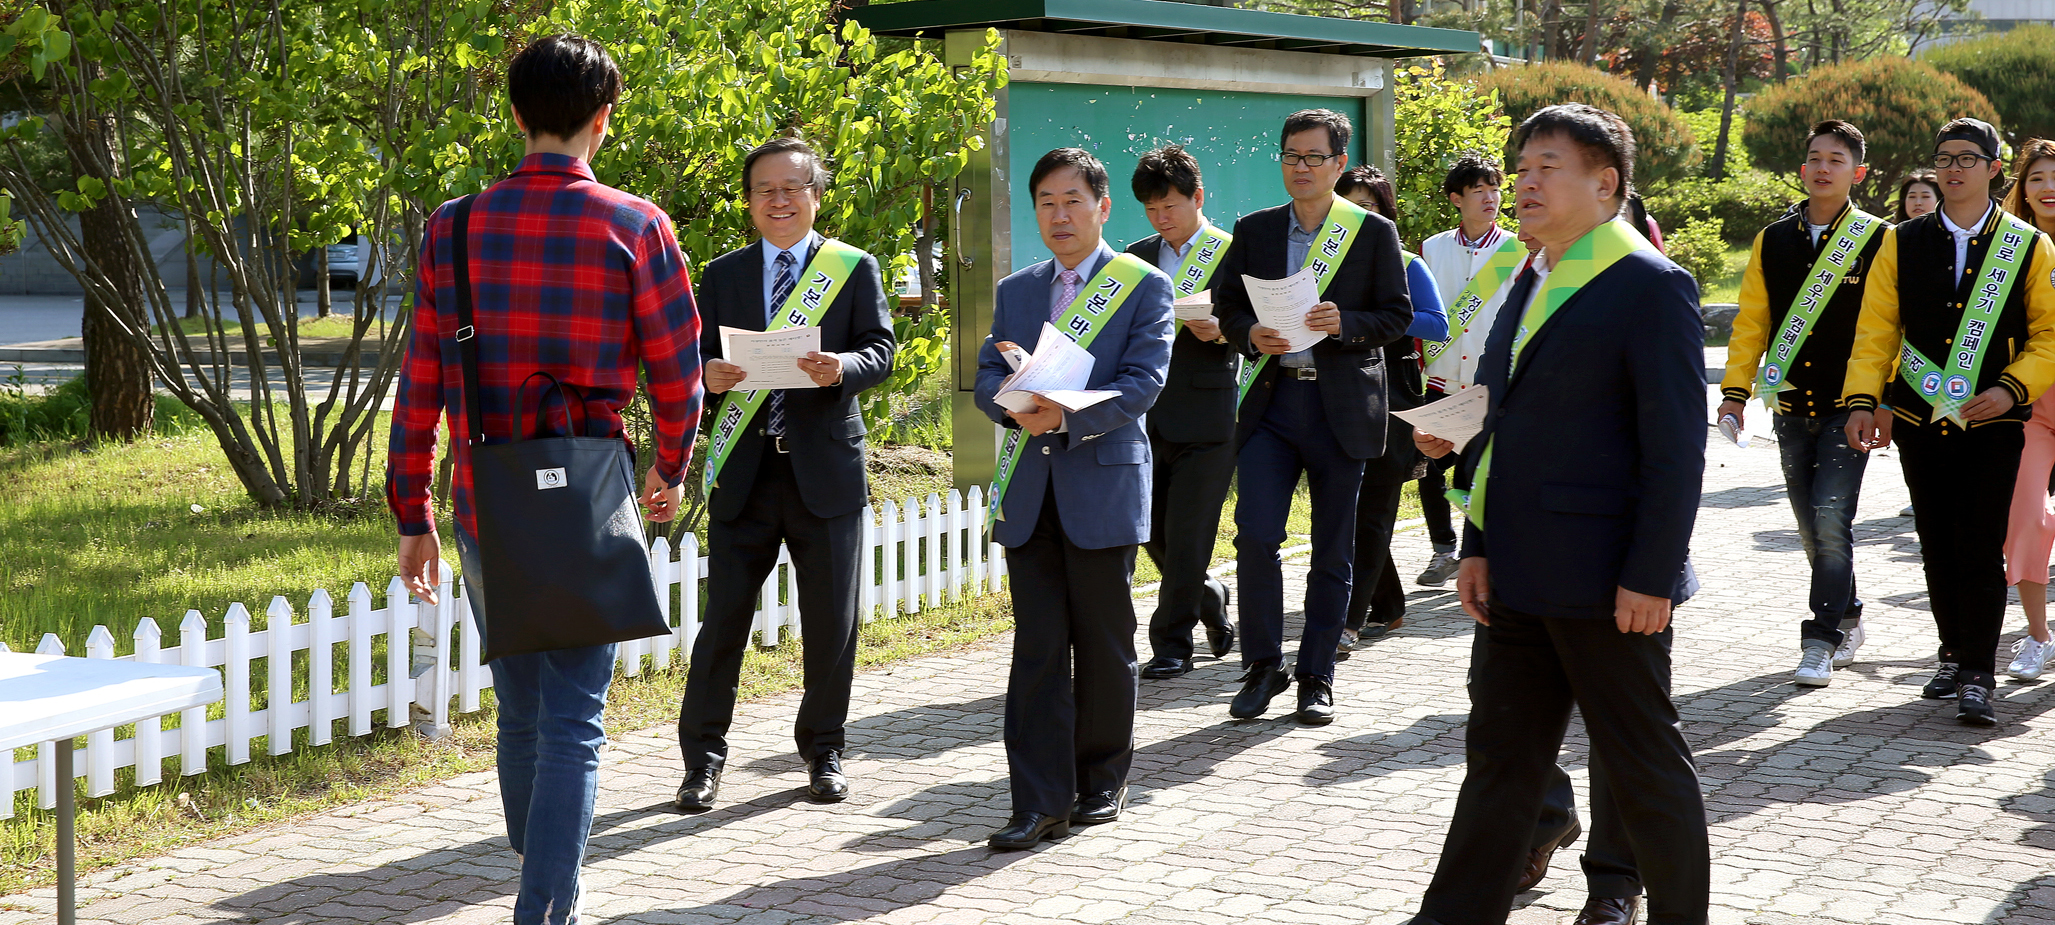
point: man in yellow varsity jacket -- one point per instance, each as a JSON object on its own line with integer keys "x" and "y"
{"x": 1799, "y": 301}
{"x": 1961, "y": 305}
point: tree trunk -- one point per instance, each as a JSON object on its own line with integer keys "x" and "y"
{"x": 324, "y": 298}
{"x": 117, "y": 368}
{"x": 1653, "y": 56}
{"x": 1769, "y": 11}
{"x": 1589, "y": 55}
{"x": 1718, "y": 169}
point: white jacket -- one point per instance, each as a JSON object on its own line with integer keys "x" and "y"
{"x": 1453, "y": 265}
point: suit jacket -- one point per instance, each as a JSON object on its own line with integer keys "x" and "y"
{"x": 1197, "y": 404}
{"x": 1099, "y": 469}
{"x": 1598, "y": 443}
{"x": 823, "y": 427}
{"x": 1370, "y": 289}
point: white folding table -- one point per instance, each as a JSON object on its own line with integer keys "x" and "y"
{"x": 53, "y": 698}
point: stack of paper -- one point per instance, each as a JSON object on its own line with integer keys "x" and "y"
{"x": 771, "y": 358}
{"x": 1195, "y": 307}
{"x": 1456, "y": 418}
{"x": 1059, "y": 370}
{"x": 1282, "y": 304}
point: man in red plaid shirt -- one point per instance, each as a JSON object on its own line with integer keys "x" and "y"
{"x": 586, "y": 283}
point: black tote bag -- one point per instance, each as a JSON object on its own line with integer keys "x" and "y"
{"x": 559, "y": 530}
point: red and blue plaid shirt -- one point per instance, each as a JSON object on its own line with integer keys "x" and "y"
{"x": 568, "y": 277}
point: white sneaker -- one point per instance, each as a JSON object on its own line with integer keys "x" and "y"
{"x": 1815, "y": 665}
{"x": 1844, "y": 655}
{"x": 2032, "y": 658}
{"x": 1907, "y": 512}
{"x": 1439, "y": 570}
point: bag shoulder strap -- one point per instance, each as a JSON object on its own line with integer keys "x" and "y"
{"x": 467, "y": 331}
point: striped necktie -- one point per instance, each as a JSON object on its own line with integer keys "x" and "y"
{"x": 781, "y": 289}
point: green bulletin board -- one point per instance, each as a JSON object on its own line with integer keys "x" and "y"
{"x": 1233, "y": 135}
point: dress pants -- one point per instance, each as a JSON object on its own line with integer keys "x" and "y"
{"x": 1961, "y": 484}
{"x": 1375, "y": 594}
{"x": 1190, "y": 485}
{"x": 1070, "y": 696}
{"x": 1294, "y": 438}
{"x": 1530, "y": 672}
{"x": 1608, "y": 858}
{"x": 742, "y": 553}
{"x": 1823, "y": 478}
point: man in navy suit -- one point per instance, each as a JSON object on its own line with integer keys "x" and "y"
{"x": 1583, "y": 488}
{"x": 1319, "y": 411}
{"x": 1074, "y": 506}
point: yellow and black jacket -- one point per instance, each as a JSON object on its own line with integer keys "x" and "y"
{"x": 1778, "y": 268}
{"x": 1916, "y": 295}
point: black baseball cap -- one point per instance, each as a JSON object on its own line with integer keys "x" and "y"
{"x": 1975, "y": 131}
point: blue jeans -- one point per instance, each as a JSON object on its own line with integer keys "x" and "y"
{"x": 1295, "y": 438}
{"x": 550, "y": 731}
{"x": 1823, "y": 477}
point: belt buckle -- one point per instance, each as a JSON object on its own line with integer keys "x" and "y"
{"x": 1305, "y": 373}
{"x": 778, "y": 443}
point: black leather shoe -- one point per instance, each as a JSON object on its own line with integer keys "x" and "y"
{"x": 1163, "y": 666}
{"x": 1259, "y": 684}
{"x": 702, "y": 786}
{"x": 825, "y": 781}
{"x": 1213, "y": 613}
{"x": 1316, "y": 701}
{"x": 1373, "y": 630}
{"x": 1095, "y": 808}
{"x": 1605, "y": 910}
{"x": 1538, "y": 858}
{"x": 1026, "y": 830}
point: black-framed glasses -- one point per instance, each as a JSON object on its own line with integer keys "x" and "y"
{"x": 1964, "y": 161}
{"x": 1310, "y": 160}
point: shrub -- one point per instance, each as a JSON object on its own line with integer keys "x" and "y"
{"x": 1737, "y": 207}
{"x": 1667, "y": 149}
{"x": 1439, "y": 120}
{"x": 63, "y": 413}
{"x": 2015, "y": 70}
{"x": 1699, "y": 249}
{"x": 1705, "y": 123}
{"x": 1898, "y": 104}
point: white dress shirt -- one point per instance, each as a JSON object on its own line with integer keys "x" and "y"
{"x": 1962, "y": 235}
{"x": 770, "y": 268}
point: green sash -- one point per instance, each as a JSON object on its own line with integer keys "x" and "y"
{"x": 1196, "y": 270}
{"x": 1591, "y": 255}
{"x": 1503, "y": 263}
{"x": 826, "y": 275}
{"x": 1949, "y": 386}
{"x": 1081, "y": 322}
{"x": 1820, "y": 285}
{"x": 1344, "y": 220}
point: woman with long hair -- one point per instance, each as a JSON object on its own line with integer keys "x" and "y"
{"x": 2030, "y": 529}
{"x": 1918, "y": 194}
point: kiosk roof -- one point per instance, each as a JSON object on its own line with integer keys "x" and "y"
{"x": 1165, "y": 21}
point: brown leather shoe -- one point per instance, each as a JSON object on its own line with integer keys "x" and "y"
{"x": 1605, "y": 910}
{"x": 1537, "y": 859}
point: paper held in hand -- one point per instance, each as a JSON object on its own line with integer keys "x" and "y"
{"x": 1058, "y": 370}
{"x": 1195, "y": 307}
{"x": 1456, "y": 418}
{"x": 771, "y": 358}
{"x": 1282, "y": 304}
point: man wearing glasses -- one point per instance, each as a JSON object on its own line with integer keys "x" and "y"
{"x": 1317, "y": 411}
{"x": 785, "y": 465}
{"x": 1961, "y": 306}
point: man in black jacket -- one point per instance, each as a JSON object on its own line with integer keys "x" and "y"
{"x": 1582, "y": 491}
{"x": 1191, "y": 426}
{"x": 1317, "y": 411}
{"x": 791, "y": 471}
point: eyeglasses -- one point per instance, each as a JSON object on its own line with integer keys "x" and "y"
{"x": 770, "y": 192}
{"x": 1964, "y": 161}
{"x": 1310, "y": 160}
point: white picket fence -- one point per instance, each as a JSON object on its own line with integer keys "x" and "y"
{"x": 921, "y": 554}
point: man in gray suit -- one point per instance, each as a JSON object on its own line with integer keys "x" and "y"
{"x": 1072, "y": 504}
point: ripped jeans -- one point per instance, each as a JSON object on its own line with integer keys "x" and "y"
{"x": 1823, "y": 477}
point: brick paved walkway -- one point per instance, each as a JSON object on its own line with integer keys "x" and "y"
{"x": 1858, "y": 803}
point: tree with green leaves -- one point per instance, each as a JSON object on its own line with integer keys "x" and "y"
{"x": 1439, "y": 120}
{"x": 2015, "y": 70}
{"x": 1898, "y": 103}
{"x": 1665, "y": 148}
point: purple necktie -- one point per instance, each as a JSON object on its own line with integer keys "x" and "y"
{"x": 1070, "y": 284}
